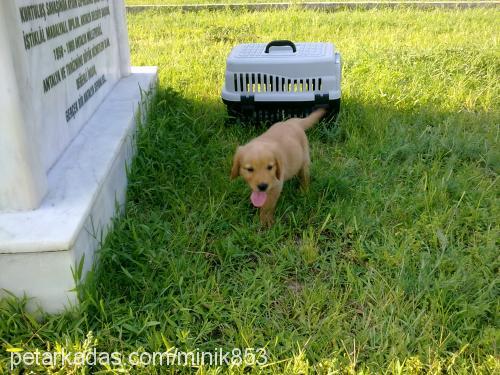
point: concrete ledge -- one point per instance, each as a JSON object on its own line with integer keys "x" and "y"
{"x": 87, "y": 185}
{"x": 324, "y": 6}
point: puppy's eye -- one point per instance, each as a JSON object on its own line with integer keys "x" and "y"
{"x": 250, "y": 169}
{"x": 269, "y": 167}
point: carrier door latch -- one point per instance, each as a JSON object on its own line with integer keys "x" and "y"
{"x": 247, "y": 104}
{"x": 320, "y": 99}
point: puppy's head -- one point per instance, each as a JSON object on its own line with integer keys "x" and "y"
{"x": 260, "y": 166}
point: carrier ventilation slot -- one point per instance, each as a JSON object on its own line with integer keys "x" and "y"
{"x": 278, "y": 114}
{"x": 257, "y": 82}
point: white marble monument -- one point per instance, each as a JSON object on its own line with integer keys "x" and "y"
{"x": 69, "y": 104}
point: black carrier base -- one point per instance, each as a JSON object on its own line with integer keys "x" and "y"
{"x": 251, "y": 111}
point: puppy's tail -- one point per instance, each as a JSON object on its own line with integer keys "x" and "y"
{"x": 313, "y": 118}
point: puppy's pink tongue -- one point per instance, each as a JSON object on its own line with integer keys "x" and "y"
{"x": 258, "y": 198}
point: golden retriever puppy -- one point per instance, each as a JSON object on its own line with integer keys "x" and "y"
{"x": 277, "y": 155}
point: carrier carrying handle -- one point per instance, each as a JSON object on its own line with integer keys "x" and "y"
{"x": 281, "y": 43}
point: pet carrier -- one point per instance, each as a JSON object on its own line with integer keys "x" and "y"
{"x": 282, "y": 79}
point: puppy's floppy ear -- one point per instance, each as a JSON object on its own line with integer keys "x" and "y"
{"x": 235, "y": 170}
{"x": 279, "y": 165}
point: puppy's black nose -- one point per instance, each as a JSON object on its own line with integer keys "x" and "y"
{"x": 263, "y": 186}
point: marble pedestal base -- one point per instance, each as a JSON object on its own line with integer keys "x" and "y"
{"x": 40, "y": 249}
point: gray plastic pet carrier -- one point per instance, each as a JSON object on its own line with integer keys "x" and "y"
{"x": 270, "y": 82}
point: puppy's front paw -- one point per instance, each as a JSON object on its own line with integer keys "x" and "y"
{"x": 266, "y": 218}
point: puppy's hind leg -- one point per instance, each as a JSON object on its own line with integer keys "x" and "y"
{"x": 304, "y": 175}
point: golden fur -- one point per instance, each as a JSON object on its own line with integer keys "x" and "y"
{"x": 274, "y": 157}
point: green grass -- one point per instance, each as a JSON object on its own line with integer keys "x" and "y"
{"x": 389, "y": 264}
{"x": 185, "y": 2}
